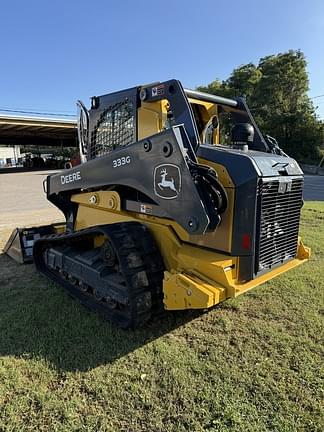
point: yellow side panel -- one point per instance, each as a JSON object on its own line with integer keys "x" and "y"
{"x": 101, "y": 199}
{"x": 207, "y": 110}
{"x": 148, "y": 123}
{"x": 88, "y": 216}
{"x": 221, "y": 238}
{"x": 151, "y": 117}
{"x": 222, "y": 173}
{"x": 209, "y": 106}
{"x": 186, "y": 292}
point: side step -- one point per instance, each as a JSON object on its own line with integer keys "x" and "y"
{"x": 21, "y": 241}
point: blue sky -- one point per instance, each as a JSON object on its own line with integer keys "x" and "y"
{"x": 54, "y": 52}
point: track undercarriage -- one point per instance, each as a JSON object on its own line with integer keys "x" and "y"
{"x": 115, "y": 270}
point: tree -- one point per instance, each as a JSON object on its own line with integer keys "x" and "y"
{"x": 217, "y": 87}
{"x": 244, "y": 80}
{"x": 276, "y": 90}
{"x": 285, "y": 108}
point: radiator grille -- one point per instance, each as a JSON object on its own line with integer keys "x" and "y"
{"x": 115, "y": 128}
{"x": 280, "y": 204}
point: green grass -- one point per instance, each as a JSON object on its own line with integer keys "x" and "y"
{"x": 251, "y": 364}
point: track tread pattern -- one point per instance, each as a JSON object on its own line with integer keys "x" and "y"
{"x": 136, "y": 284}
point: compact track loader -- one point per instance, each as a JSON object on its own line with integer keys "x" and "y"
{"x": 179, "y": 203}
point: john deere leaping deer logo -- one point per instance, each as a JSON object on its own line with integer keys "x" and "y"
{"x": 167, "y": 181}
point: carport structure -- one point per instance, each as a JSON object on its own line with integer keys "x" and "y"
{"x": 38, "y": 131}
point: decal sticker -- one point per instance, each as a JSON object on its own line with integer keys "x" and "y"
{"x": 70, "y": 178}
{"x": 121, "y": 161}
{"x": 158, "y": 91}
{"x": 167, "y": 181}
{"x": 146, "y": 209}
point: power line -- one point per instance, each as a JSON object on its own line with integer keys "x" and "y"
{"x": 34, "y": 109}
{"x": 35, "y": 112}
{"x": 21, "y": 111}
{"x": 315, "y": 97}
{"x": 275, "y": 105}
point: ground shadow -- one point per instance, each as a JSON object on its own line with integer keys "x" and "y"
{"x": 39, "y": 320}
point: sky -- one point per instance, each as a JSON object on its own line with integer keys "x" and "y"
{"x": 55, "y": 52}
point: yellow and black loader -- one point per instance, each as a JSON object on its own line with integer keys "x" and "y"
{"x": 179, "y": 203}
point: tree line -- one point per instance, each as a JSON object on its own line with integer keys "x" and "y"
{"x": 276, "y": 91}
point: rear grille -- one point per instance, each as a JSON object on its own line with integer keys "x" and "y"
{"x": 280, "y": 202}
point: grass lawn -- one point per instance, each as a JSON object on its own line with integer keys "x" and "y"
{"x": 251, "y": 364}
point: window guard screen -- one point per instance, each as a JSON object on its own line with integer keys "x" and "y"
{"x": 115, "y": 128}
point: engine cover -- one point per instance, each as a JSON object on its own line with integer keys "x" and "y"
{"x": 267, "y": 201}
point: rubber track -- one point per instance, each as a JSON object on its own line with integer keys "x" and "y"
{"x": 140, "y": 267}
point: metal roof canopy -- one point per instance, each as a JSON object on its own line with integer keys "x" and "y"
{"x": 18, "y": 130}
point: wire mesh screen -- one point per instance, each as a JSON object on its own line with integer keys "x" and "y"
{"x": 280, "y": 215}
{"x": 115, "y": 128}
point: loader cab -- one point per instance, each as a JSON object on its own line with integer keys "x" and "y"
{"x": 122, "y": 118}
{"x": 208, "y": 119}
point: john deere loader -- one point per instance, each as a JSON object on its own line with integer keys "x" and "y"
{"x": 179, "y": 203}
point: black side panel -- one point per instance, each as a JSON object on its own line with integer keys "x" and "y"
{"x": 173, "y": 91}
{"x": 156, "y": 167}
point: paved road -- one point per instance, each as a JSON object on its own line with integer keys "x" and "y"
{"x": 23, "y": 203}
{"x": 314, "y": 188}
{"x": 23, "y": 191}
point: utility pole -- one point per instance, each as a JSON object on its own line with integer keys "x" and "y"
{"x": 321, "y": 145}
